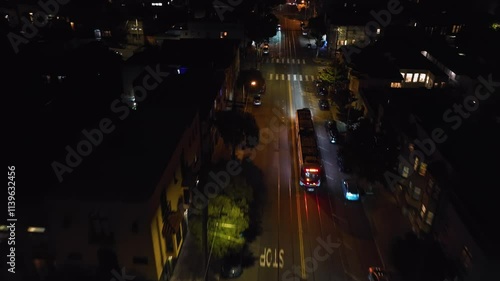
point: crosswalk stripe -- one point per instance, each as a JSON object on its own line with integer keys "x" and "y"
{"x": 283, "y": 60}
{"x": 288, "y": 77}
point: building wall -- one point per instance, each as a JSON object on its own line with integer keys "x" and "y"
{"x": 431, "y": 211}
{"x": 71, "y": 223}
{"x": 137, "y": 228}
{"x": 460, "y": 246}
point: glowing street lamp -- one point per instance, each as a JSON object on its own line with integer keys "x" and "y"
{"x": 253, "y": 83}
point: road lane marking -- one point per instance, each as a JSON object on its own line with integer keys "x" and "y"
{"x": 297, "y": 193}
{"x": 328, "y": 163}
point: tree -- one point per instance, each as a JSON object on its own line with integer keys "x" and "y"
{"x": 420, "y": 259}
{"x": 237, "y": 127}
{"x": 228, "y": 218}
{"x": 260, "y": 28}
{"x": 317, "y": 29}
{"x": 334, "y": 74}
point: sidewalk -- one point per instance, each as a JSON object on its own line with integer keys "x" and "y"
{"x": 387, "y": 221}
{"x": 189, "y": 265}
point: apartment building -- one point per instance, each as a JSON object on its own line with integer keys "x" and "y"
{"x": 437, "y": 189}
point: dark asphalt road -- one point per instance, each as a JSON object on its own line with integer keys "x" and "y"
{"x": 305, "y": 236}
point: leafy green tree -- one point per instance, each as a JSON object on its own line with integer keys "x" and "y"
{"x": 334, "y": 74}
{"x": 228, "y": 218}
{"x": 237, "y": 127}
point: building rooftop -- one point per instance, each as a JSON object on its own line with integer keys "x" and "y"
{"x": 406, "y": 56}
{"x": 370, "y": 61}
{"x": 212, "y": 53}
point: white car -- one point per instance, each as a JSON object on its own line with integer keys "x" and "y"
{"x": 265, "y": 50}
{"x": 257, "y": 100}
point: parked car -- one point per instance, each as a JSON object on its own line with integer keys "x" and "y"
{"x": 232, "y": 265}
{"x": 257, "y": 100}
{"x": 343, "y": 161}
{"x": 350, "y": 190}
{"x": 377, "y": 274}
{"x": 324, "y": 104}
{"x": 331, "y": 131}
{"x": 322, "y": 91}
{"x": 265, "y": 49}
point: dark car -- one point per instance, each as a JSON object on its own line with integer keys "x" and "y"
{"x": 232, "y": 265}
{"x": 324, "y": 104}
{"x": 377, "y": 274}
{"x": 331, "y": 131}
{"x": 322, "y": 91}
{"x": 343, "y": 161}
{"x": 319, "y": 82}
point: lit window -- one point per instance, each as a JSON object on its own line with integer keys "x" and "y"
{"x": 422, "y": 211}
{"x": 395, "y": 85}
{"x": 34, "y": 229}
{"x": 423, "y": 169}
{"x": 415, "y": 165}
{"x": 378, "y": 30}
{"x": 157, "y": 4}
{"x": 406, "y": 172}
{"x": 403, "y": 75}
{"x": 415, "y": 77}
{"x": 422, "y": 77}
{"x": 408, "y": 78}
{"x": 429, "y": 218}
{"x": 427, "y": 80}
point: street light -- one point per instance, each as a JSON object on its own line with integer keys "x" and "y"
{"x": 253, "y": 83}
